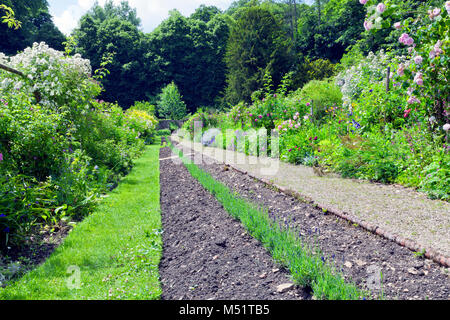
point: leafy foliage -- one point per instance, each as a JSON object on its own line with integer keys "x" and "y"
{"x": 170, "y": 104}
{"x": 256, "y": 45}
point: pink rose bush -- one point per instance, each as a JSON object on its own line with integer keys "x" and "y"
{"x": 425, "y": 68}
{"x": 406, "y": 39}
{"x": 381, "y": 7}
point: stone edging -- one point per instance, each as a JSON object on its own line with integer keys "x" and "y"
{"x": 429, "y": 253}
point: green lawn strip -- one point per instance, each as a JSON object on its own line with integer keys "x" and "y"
{"x": 307, "y": 265}
{"x": 117, "y": 249}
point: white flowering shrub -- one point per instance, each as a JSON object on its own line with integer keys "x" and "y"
{"x": 61, "y": 81}
{"x": 370, "y": 70}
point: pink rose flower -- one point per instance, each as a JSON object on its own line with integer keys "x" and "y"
{"x": 434, "y": 13}
{"x": 406, "y": 39}
{"x": 437, "y": 48}
{"x": 403, "y": 38}
{"x": 368, "y": 25}
{"x": 363, "y": 2}
{"x": 419, "y": 81}
{"x": 1, "y": 157}
{"x": 447, "y": 7}
{"x": 397, "y": 25}
{"x": 432, "y": 54}
{"x": 418, "y": 59}
{"x": 381, "y": 7}
{"x": 412, "y": 100}
{"x": 401, "y": 70}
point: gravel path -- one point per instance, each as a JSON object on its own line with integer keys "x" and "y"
{"x": 401, "y": 211}
{"x": 359, "y": 254}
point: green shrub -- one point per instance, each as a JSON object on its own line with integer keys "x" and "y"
{"x": 208, "y": 120}
{"x": 322, "y": 95}
{"x": 309, "y": 70}
{"x": 163, "y": 133}
{"x": 144, "y": 106}
{"x": 173, "y": 127}
{"x": 170, "y": 104}
{"x": 436, "y": 179}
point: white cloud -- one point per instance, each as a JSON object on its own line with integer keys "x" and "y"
{"x": 151, "y": 12}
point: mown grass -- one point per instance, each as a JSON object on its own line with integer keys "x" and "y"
{"x": 117, "y": 249}
{"x": 307, "y": 265}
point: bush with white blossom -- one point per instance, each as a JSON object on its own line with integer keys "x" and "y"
{"x": 355, "y": 79}
{"x": 62, "y": 81}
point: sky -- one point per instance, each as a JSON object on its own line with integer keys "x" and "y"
{"x": 66, "y": 13}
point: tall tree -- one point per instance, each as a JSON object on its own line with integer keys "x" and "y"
{"x": 257, "y": 44}
{"x": 205, "y": 13}
{"x": 192, "y": 53}
{"x": 37, "y": 26}
{"x": 114, "y": 29}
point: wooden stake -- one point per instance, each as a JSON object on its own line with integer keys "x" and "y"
{"x": 388, "y": 80}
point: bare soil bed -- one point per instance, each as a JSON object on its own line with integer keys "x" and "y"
{"x": 206, "y": 253}
{"x": 359, "y": 254}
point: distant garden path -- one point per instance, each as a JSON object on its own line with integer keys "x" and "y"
{"x": 400, "y": 214}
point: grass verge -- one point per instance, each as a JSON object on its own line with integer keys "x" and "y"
{"x": 113, "y": 254}
{"x": 307, "y": 265}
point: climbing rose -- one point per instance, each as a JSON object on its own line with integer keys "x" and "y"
{"x": 381, "y": 7}
{"x": 368, "y": 25}
{"x": 432, "y": 54}
{"x": 418, "y": 79}
{"x": 412, "y": 100}
{"x": 397, "y": 25}
{"x": 434, "y": 13}
{"x": 401, "y": 69}
{"x": 418, "y": 59}
{"x": 406, "y": 39}
{"x": 446, "y": 127}
{"x": 363, "y": 2}
{"x": 447, "y": 7}
{"x": 437, "y": 47}
{"x": 409, "y": 41}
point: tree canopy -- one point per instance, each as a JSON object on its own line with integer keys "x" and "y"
{"x": 215, "y": 57}
{"x": 36, "y": 26}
